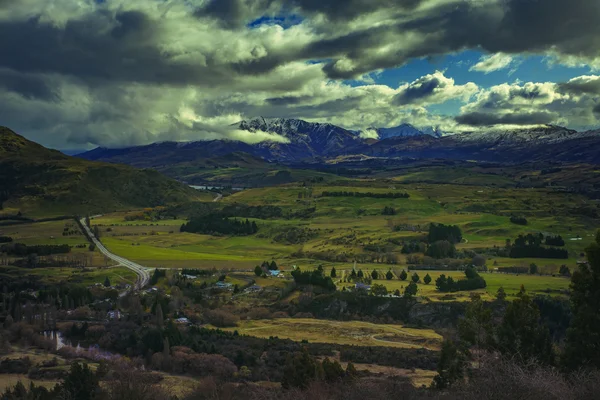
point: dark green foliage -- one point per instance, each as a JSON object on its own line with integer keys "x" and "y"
{"x": 360, "y": 274}
{"x": 33, "y": 392}
{"x": 564, "y": 270}
{"x": 533, "y": 269}
{"x": 375, "y": 274}
{"x": 415, "y": 278}
{"x": 476, "y": 328}
{"x": 518, "y": 220}
{"x": 314, "y": 277}
{"x": 22, "y": 250}
{"x": 333, "y": 273}
{"x": 403, "y": 275}
{"x": 473, "y": 281}
{"x": 451, "y": 367}
{"x": 427, "y": 279}
{"x": 273, "y": 266}
{"x": 583, "y": 337}
{"x": 332, "y": 370}
{"x": 441, "y": 249}
{"x": 388, "y": 211}
{"x": 501, "y": 294}
{"x": 80, "y": 384}
{"x": 379, "y": 290}
{"x": 107, "y": 282}
{"x": 554, "y": 241}
{"x": 439, "y": 232}
{"x": 295, "y": 235}
{"x": 389, "y": 275}
{"x": 300, "y": 370}
{"x": 258, "y": 271}
{"x": 521, "y": 336}
{"x": 411, "y": 290}
{"x": 214, "y": 224}
{"x": 411, "y": 247}
{"x": 530, "y": 246}
{"x": 5, "y": 239}
{"x": 158, "y": 273}
{"x": 390, "y": 195}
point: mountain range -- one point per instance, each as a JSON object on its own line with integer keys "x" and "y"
{"x": 315, "y": 142}
{"x": 35, "y": 179}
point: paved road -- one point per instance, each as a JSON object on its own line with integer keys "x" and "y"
{"x": 142, "y": 272}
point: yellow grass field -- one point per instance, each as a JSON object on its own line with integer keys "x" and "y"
{"x": 356, "y": 333}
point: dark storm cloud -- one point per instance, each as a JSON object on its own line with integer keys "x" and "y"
{"x": 28, "y": 86}
{"x": 483, "y": 119}
{"x": 581, "y": 86}
{"x": 416, "y": 92}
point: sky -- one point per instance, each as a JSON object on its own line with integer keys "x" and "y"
{"x": 85, "y": 73}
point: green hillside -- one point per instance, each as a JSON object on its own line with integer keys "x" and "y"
{"x": 39, "y": 181}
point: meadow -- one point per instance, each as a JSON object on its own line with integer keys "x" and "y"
{"x": 357, "y": 333}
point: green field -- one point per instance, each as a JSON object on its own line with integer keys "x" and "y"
{"x": 341, "y": 332}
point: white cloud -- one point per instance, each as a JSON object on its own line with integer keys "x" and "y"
{"x": 494, "y": 62}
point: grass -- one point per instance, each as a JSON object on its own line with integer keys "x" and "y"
{"x": 341, "y": 332}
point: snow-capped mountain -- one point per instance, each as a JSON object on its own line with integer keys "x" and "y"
{"x": 538, "y": 135}
{"x": 406, "y": 130}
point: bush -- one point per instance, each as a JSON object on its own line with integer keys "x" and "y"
{"x": 221, "y": 318}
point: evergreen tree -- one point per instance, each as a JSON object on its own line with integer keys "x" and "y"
{"x": 333, "y": 273}
{"x": 300, "y": 370}
{"x": 273, "y": 266}
{"x": 107, "y": 282}
{"x": 403, "y": 275}
{"x": 258, "y": 271}
{"x": 410, "y": 290}
{"x": 476, "y": 328}
{"x": 521, "y": 335}
{"x": 427, "y": 279}
{"x": 583, "y": 337}
{"x": 416, "y": 278}
{"x": 360, "y": 274}
{"x": 451, "y": 367}
{"x": 501, "y": 294}
{"x": 389, "y": 275}
{"x": 375, "y": 274}
{"x": 80, "y": 384}
{"x": 351, "y": 372}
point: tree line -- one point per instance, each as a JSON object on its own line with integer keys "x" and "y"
{"x": 530, "y": 246}
{"x": 389, "y": 195}
{"x": 214, "y": 224}
{"x": 22, "y": 250}
{"x": 472, "y": 281}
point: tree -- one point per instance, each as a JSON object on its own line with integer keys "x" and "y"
{"x": 379, "y": 290}
{"x": 375, "y": 274}
{"x": 300, "y": 370}
{"x": 427, "y": 279}
{"x": 333, "y": 273}
{"x": 533, "y": 269}
{"x": 521, "y": 335}
{"x": 92, "y": 247}
{"x": 160, "y": 319}
{"x": 451, "y": 367}
{"x": 403, "y": 275}
{"x": 332, "y": 370}
{"x": 360, "y": 273}
{"x": 501, "y": 294}
{"x": 80, "y": 384}
{"x": 273, "y": 266}
{"x": 476, "y": 328}
{"x": 258, "y": 271}
{"x": 351, "y": 371}
{"x": 478, "y": 260}
{"x": 441, "y": 249}
{"x": 389, "y": 275}
{"x": 97, "y": 231}
{"x": 107, "y": 282}
{"x": 415, "y": 278}
{"x": 583, "y": 336}
{"x": 411, "y": 290}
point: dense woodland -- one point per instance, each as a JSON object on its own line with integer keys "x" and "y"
{"x": 217, "y": 225}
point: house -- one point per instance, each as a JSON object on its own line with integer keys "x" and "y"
{"x": 113, "y": 315}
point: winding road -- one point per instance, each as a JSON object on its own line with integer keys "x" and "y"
{"x": 142, "y": 272}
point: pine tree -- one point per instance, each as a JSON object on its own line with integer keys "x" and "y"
{"x": 583, "y": 337}
{"x": 107, "y": 282}
{"x": 351, "y": 372}
{"x": 360, "y": 273}
{"x": 403, "y": 275}
{"x": 389, "y": 275}
{"x": 411, "y": 290}
{"x": 273, "y": 266}
{"x": 375, "y": 274}
{"x": 258, "y": 271}
{"x": 451, "y": 367}
{"x": 501, "y": 294}
{"x": 415, "y": 278}
{"x": 427, "y": 279}
{"x": 476, "y": 328}
{"x": 80, "y": 384}
{"x": 300, "y": 370}
{"x": 333, "y": 273}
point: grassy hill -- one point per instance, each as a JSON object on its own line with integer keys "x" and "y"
{"x": 39, "y": 181}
